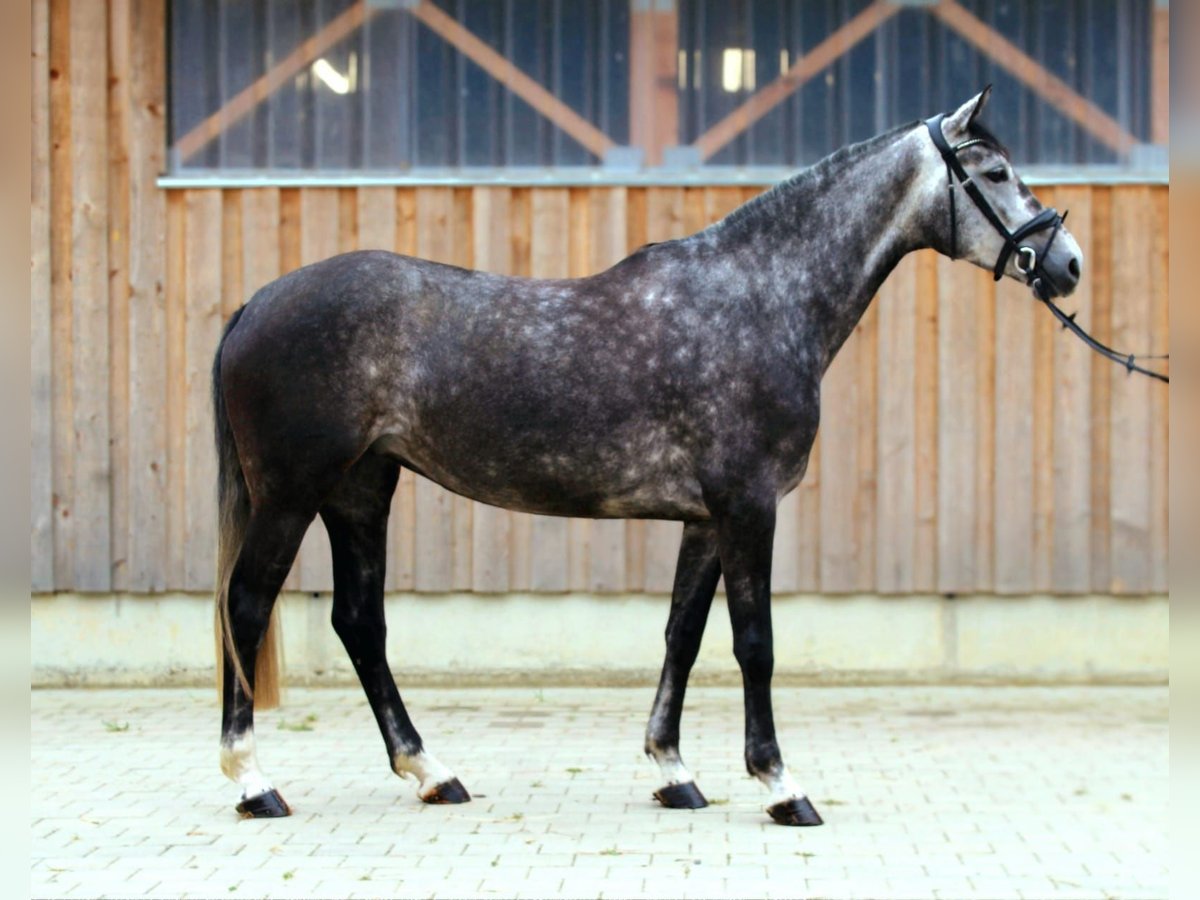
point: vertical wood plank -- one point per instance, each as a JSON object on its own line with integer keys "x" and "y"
{"x": 1100, "y": 563}
{"x": 606, "y": 572}
{"x": 958, "y": 425}
{"x": 320, "y": 236}
{"x": 551, "y": 239}
{"x": 1072, "y": 417}
{"x": 203, "y": 330}
{"x": 434, "y": 536}
{"x": 233, "y": 286}
{"x": 925, "y": 424}
{"x": 1156, "y": 341}
{"x": 260, "y": 220}
{"x": 866, "y": 487}
{"x": 118, "y": 156}
{"x": 490, "y": 525}
{"x": 149, "y": 374}
{"x": 41, "y": 475}
{"x": 839, "y": 470}
{"x": 347, "y": 220}
{"x": 1130, "y": 427}
{"x": 90, "y": 298}
{"x": 895, "y": 506}
{"x": 61, "y": 325}
{"x": 1014, "y": 438}
{"x": 1043, "y": 447}
{"x": 177, "y": 397}
{"x": 983, "y": 299}
{"x": 579, "y": 264}
{"x": 404, "y": 505}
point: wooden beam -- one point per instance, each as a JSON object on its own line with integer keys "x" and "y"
{"x": 565, "y": 118}
{"x": 242, "y": 103}
{"x": 1160, "y": 61}
{"x": 801, "y": 71}
{"x": 1048, "y": 87}
{"x": 653, "y": 95}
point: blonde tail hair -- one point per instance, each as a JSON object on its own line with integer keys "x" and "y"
{"x": 233, "y": 500}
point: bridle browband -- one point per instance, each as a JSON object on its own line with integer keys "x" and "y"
{"x": 1029, "y": 263}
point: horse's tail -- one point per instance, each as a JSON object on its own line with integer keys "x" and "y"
{"x": 233, "y": 503}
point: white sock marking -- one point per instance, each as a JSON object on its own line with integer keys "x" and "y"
{"x": 782, "y": 787}
{"x": 239, "y": 762}
{"x": 425, "y": 768}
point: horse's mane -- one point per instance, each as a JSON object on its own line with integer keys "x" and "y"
{"x": 794, "y": 190}
{"x": 816, "y": 174}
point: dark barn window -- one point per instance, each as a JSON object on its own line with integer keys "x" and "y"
{"x": 379, "y": 87}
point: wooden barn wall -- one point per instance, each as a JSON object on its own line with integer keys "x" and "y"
{"x": 966, "y": 446}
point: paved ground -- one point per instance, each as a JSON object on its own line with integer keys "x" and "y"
{"x": 926, "y": 792}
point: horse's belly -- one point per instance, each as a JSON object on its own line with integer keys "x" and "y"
{"x": 559, "y": 484}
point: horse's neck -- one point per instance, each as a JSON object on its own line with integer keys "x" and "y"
{"x": 830, "y": 238}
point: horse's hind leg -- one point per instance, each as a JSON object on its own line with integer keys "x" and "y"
{"x": 272, "y": 537}
{"x": 355, "y": 516}
{"x": 696, "y": 576}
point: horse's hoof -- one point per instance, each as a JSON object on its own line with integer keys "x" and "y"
{"x": 451, "y": 791}
{"x": 797, "y": 811}
{"x": 267, "y": 805}
{"x": 681, "y": 796}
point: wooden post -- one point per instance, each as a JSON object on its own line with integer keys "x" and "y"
{"x": 1160, "y": 62}
{"x": 653, "y": 97}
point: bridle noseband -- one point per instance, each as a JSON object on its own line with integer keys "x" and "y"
{"x": 1029, "y": 263}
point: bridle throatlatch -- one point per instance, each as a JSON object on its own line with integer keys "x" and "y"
{"x": 1028, "y": 262}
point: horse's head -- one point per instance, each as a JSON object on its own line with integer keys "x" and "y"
{"x": 988, "y": 215}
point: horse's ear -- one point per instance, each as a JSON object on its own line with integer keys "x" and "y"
{"x": 958, "y": 122}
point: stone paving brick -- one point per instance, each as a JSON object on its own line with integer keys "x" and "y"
{"x": 927, "y": 792}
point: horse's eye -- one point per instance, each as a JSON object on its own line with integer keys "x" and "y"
{"x": 997, "y": 175}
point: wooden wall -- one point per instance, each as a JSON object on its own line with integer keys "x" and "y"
{"x": 967, "y": 445}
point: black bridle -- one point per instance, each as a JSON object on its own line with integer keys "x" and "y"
{"x": 1029, "y": 263}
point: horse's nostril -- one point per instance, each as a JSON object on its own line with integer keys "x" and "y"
{"x": 1073, "y": 268}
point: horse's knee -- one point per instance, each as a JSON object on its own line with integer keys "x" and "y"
{"x": 755, "y": 655}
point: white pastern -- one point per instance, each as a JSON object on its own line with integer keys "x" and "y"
{"x": 782, "y": 787}
{"x": 425, "y": 768}
{"x": 674, "y": 771}
{"x": 239, "y": 762}
{"x": 670, "y": 764}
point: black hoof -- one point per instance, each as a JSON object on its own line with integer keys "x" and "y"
{"x": 797, "y": 811}
{"x": 681, "y": 796}
{"x": 268, "y": 805}
{"x": 449, "y": 792}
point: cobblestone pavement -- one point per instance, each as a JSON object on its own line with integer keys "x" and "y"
{"x": 926, "y": 792}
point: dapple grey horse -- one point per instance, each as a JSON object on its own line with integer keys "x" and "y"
{"x": 683, "y": 383}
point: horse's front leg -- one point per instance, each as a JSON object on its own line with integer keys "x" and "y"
{"x": 696, "y": 576}
{"x": 746, "y": 533}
